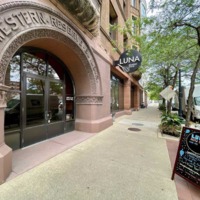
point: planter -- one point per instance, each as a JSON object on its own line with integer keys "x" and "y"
{"x": 136, "y": 75}
{"x": 171, "y": 124}
{"x": 170, "y": 130}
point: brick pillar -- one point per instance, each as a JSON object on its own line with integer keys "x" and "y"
{"x": 136, "y": 98}
{"x": 5, "y": 151}
{"x": 127, "y": 95}
{"x": 146, "y": 99}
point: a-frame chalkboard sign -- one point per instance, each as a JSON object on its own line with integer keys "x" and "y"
{"x": 187, "y": 163}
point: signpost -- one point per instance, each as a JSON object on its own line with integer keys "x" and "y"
{"x": 167, "y": 93}
{"x": 187, "y": 163}
{"x": 129, "y": 61}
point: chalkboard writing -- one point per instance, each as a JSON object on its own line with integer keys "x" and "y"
{"x": 187, "y": 164}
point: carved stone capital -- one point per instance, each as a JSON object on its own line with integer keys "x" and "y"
{"x": 89, "y": 100}
{"x": 3, "y": 92}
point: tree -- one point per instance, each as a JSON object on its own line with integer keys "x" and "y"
{"x": 169, "y": 40}
{"x": 182, "y": 17}
{"x": 154, "y": 90}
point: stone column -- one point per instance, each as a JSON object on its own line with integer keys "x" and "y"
{"x": 5, "y": 151}
{"x": 136, "y": 98}
{"x": 127, "y": 95}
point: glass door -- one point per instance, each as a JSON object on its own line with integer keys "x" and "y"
{"x": 41, "y": 101}
{"x": 33, "y": 104}
{"x": 55, "y": 111}
{"x": 43, "y": 117}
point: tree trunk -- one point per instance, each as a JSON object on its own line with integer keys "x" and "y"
{"x": 169, "y": 103}
{"x": 169, "y": 106}
{"x": 190, "y": 97}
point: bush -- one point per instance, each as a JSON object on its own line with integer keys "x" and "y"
{"x": 161, "y": 107}
{"x": 171, "y": 124}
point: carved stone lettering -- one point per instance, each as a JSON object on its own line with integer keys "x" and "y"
{"x": 20, "y": 17}
{"x": 26, "y": 17}
{"x": 34, "y": 17}
{"x": 41, "y": 18}
{"x": 58, "y": 23}
{"x": 11, "y": 22}
{"x": 5, "y": 29}
{"x": 1, "y": 37}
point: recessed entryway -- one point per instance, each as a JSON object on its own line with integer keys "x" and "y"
{"x": 40, "y": 104}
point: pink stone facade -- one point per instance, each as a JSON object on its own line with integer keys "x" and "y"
{"x": 88, "y": 58}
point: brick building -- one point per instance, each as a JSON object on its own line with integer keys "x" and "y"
{"x": 57, "y": 72}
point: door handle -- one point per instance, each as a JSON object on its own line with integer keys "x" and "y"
{"x": 48, "y": 115}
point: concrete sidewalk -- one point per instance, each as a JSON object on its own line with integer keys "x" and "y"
{"x": 127, "y": 161}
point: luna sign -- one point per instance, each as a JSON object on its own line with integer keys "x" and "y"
{"x": 129, "y": 61}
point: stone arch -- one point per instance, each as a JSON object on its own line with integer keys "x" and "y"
{"x": 26, "y": 23}
{"x": 65, "y": 33}
{"x": 31, "y": 35}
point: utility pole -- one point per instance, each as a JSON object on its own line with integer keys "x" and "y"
{"x": 180, "y": 95}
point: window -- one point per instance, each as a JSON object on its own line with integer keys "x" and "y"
{"x": 41, "y": 95}
{"x": 13, "y": 74}
{"x": 143, "y": 10}
{"x": 197, "y": 101}
{"x": 124, "y": 6}
{"x": 134, "y": 29}
{"x": 117, "y": 94}
{"x": 113, "y": 21}
{"x": 133, "y": 3}
{"x": 125, "y": 42}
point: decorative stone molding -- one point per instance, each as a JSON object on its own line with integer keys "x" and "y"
{"x": 89, "y": 100}
{"x": 3, "y": 92}
{"x": 84, "y": 11}
{"x": 24, "y": 21}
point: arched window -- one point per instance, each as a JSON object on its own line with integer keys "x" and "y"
{"x": 40, "y": 103}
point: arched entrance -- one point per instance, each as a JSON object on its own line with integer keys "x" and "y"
{"x": 40, "y": 104}
{"x": 30, "y": 24}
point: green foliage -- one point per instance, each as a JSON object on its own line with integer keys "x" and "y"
{"x": 169, "y": 40}
{"x": 171, "y": 119}
{"x": 154, "y": 90}
{"x": 172, "y": 41}
{"x": 170, "y": 124}
{"x": 162, "y": 107}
